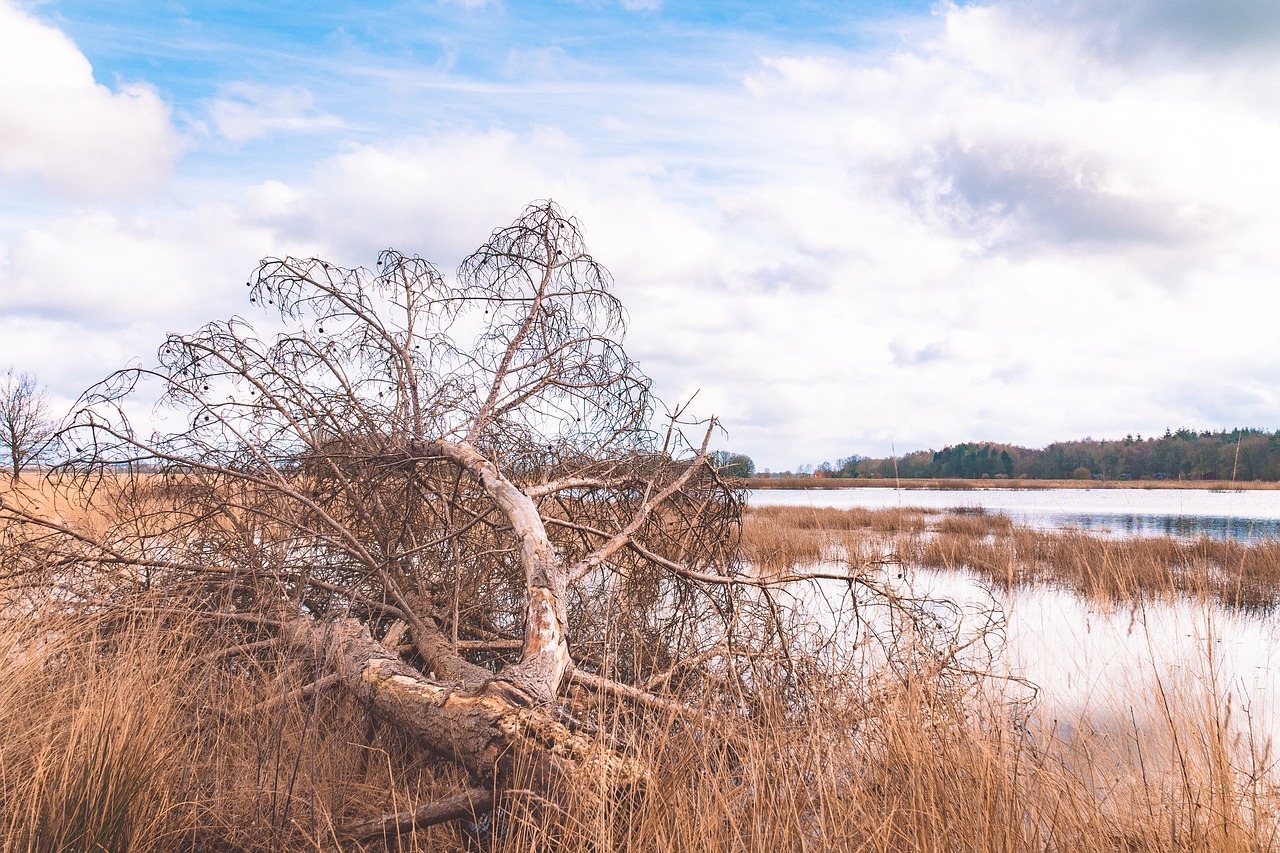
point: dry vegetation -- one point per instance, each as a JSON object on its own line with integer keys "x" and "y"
{"x": 417, "y": 573}
{"x": 133, "y": 734}
{"x": 989, "y": 545}
{"x": 126, "y": 737}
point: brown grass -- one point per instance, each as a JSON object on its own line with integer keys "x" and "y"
{"x": 125, "y": 743}
{"x": 128, "y": 737}
{"x": 991, "y": 546}
{"x": 138, "y": 735}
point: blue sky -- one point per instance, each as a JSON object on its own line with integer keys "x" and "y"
{"x": 845, "y": 225}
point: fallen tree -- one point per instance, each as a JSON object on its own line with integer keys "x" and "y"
{"x": 455, "y": 503}
{"x": 430, "y": 490}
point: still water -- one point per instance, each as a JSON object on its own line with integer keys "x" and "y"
{"x": 1184, "y": 513}
{"x": 1110, "y": 670}
{"x": 1107, "y": 667}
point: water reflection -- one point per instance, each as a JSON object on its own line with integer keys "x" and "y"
{"x": 1177, "y": 526}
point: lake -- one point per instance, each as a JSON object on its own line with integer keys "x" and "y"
{"x": 1116, "y": 667}
{"x": 1098, "y": 667}
{"x": 1183, "y": 513}
{"x": 1106, "y": 667}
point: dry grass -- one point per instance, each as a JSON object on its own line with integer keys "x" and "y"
{"x": 1238, "y": 575}
{"x": 139, "y": 735}
{"x": 125, "y": 743}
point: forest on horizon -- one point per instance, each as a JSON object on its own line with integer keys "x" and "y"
{"x": 1183, "y": 454}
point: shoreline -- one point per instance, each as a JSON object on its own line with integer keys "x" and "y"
{"x": 955, "y": 484}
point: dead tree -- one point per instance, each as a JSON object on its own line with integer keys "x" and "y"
{"x": 455, "y": 495}
{"x": 450, "y": 497}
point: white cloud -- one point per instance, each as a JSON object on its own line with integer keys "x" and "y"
{"x": 58, "y": 125}
{"x": 1039, "y": 237}
{"x": 1158, "y": 30}
{"x": 245, "y": 111}
{"x": 90, "y": 292}
{"x": 1000, "y": 232}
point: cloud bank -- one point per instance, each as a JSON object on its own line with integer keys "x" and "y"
{"x": 1015, "y": 222}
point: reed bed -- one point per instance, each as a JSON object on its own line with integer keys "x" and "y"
{"x": 120, "y": 737}
{"x": 1236, "y": 574}
{"x": 138, "y": 734}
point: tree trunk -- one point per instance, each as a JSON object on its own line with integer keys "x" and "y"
{"x": 491, "y": 731}
{"x": 544, "y": 657}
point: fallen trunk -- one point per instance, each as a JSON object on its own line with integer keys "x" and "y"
{"x": 491, "y": 732}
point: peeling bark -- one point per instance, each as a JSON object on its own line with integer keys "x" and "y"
{"x": 544, "y": 656}
{"x": 490, "y": 732}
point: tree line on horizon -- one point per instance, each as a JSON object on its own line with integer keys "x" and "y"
{"x": 1182, "y": 454}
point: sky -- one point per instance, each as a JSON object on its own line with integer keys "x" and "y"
{"x": 848, "y": 227}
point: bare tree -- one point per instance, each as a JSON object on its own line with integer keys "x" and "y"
{"x": 452, "y": 497}
{"x": 25, "y": 425}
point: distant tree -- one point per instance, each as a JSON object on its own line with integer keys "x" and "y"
{"x": 25, "y": 425}
{"x": 848, "y": 466}
{"x": 733, "y": 464}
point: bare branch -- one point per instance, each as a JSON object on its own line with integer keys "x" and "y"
{"x": 390, "y": 828}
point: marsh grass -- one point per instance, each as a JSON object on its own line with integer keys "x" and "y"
{"x": 132, "y": 744}
{"x": 129, "y": 736}
{"x": 923, "y": 771}
{"x": 1236, "y": 574}
{"x": 138, "y": 734}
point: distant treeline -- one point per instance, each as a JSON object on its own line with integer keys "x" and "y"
{"x": 1239, "y": 454}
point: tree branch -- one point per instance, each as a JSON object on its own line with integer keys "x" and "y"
{"x": 392, "y": 827}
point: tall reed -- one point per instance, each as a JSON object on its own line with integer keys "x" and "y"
{"x": 139, "y": 734}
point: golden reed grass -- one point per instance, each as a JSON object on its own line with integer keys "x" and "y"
{"x": 1237, "y": 574}
{"x": 135, "y": 734}
{"x": 117, "y": 737}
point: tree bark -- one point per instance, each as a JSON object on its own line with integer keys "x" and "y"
{"x": 491, "y": 732}
{"x": 544, "y": 656}
{"x": 392, "y": 827}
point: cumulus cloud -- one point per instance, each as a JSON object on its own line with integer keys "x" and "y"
{"x": 1010, "y": 135}
{"x": 89, "y": 292}
{"x": 1000, "y": 231}
{"x": 1055, "y": 215}
{"x": 1012, "y": 193}
{"x": 59, "y": 125}
{"x": 1148, "y": 29}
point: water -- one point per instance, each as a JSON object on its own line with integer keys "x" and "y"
{"x": 1110, "y": 669}
{"x": 1246, "y": 515}
{"x": 1112, "y": 666}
